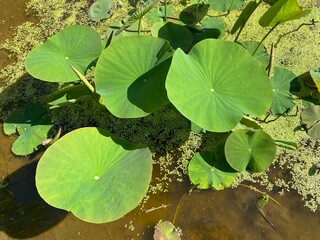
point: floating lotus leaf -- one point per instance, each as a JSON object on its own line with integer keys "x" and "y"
{"x": 96, "y": 176}
{"x": 75, "y": 45}
{"x": 282, "y": 11}
{"x": 130, "y": 76}
{"x": 32, "y": 124}
{"x": 208, "y": 169}
{"x": 281, "y": 83}
{"x": 224, "y": 5}
{"x": 250, "y": 150}
{"x": 310, "y": 120}
{"x": 100, "y": 9}
{"x": 166, "y": 231}
{"x": 217, "y": 83}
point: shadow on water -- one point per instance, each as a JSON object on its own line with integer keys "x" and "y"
{"x": 23, "y": 213}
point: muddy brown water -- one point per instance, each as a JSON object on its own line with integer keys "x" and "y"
{"x": 202, "y": 215}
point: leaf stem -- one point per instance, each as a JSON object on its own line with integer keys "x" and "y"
{"x": 165, "y": 10}
{"x": 83, "y": 79}
{"x": 139, "y": 26}
{"x": 265, "y": 36}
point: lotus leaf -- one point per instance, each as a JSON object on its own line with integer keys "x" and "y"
{"x": 281, "y": 83}
{"x": 96, "y": 176}
{"x": 310, "y": 120}
{"x": 261, "y": 53}
{"x": 130, "y": 76}
{"x": 157, "y": 14}
{"x": 217, "y": 83}
{"x": 193, "y": 14}
{"x": 100, "y": 9}
{"x": 177, "y": 35}
{"x": 32, "y": 124}
{"x": 165, "y": 231}
{"x": 282, "y": 11}
{"x": 224, "y": 5}
{"x": 75, "y": 45}
{"x": 244, "y": 16}
{"x": 315, "y": 75}
{"x": 250, "y": 150}
{"x": 208, "y": 169}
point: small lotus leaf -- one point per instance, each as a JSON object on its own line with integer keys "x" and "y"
{"x": 213, "y": 85}
{"x": 96, "y": 176}
{"x": 32, "y": 124}
{"x": 194, "y": 13}
{"x": 208, "y": 169}
{"x": 247, "y": 123}
{"x": 286, "y": 144}
{"x": 75, "y": 45}
{"x": 224, "y": 5}
{"x": 130, "y": 76}
{"x": 165, "y": 231}
{"x": 282, "y": 11}
{"x": 310, "y": 119}
{"x": 100, "y": 9}
{"x": 281, "y": 83}
{"x": 250, "y": 150}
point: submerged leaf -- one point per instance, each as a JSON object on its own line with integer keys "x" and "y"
{"x": 32, "y": 124}
{"x": 96, "y": 176}
{"x": 166, "y": 231}
{"x": 282, "y": 11}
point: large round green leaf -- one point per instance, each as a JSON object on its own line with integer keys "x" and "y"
{"x": 281, "y": 83}
{"x": 96, "y": 176}
{"x": 75, "y": 45}
{"x": 250, "y": 150}
{"x": 208, "y": 169}
{"x": 225, "y": 5}
{"x": 130, "y": 75}
{"x": 217, "y": 83}
{"x": 282, "y": 11}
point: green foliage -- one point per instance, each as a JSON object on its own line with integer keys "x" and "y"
{"x": 315, "y": 75}
{"x": 166, "y": 231}
{"x": 209, "y": 169}
{"x": 32, "y": 123}
{"x": 193, "y": 14}
{"x": 212, "y": 91}
{"x": 259, "y": 54}
{"x": 157, "y": 14}
{"x": 100, "y": 9}
{"x": 282, "y": 11}
{"x": 94, "y": 180}
{"x": 249, "y": 150}
{"x": 130, "y": 77}
{"x": 281, "y": 84}
{"x": 75, "y": 45}
{"x": 310, "y": 120}
{"x": 225, "y": 5}
{"x": 244, "y": 16}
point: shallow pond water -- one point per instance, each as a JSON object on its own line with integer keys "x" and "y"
{"x": 201, "y": 215}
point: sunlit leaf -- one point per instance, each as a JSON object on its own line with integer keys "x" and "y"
{"x": 100, "y": 9}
